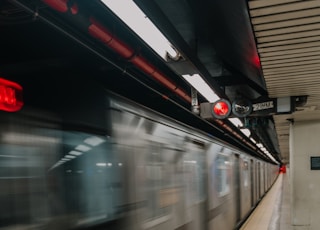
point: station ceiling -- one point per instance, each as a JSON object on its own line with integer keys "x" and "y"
{"x": 251, "y": 50}
{"x": 287, "y": 34}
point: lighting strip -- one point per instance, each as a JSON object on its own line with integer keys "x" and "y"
{"x": 236, "y": 121}
{"x": 134, "y": 17}
{"x": 79, "y": 150}
{"x": 201, "y": 86}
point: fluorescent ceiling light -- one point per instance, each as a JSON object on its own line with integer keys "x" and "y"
{"x": 69, "y": 156}
{"x": 93, "y": 141}
{"x": 82, "y": 148}
{"x": 253, "y": 140}
{"x": 246, "y": 132}
{"x": 134, "y": 17}
{"x": 236, "y": 121}
{"x": 271, "y": 157}
{"x": 201, "y": 86}
{"x": 76, "y": 153}
{"x": 65, "y": 159}
{"x": 259, "y": 145}
{"x": 101, "y": 164}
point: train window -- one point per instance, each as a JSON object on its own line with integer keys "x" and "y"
{"x": 85, "y": 178}
{"x": 157, "y": 183}
{"x": 245, "y": 173}
{"x": 222, "y": 173}
{"x": 48, "y": 173}
{"x": 193, "y": 175}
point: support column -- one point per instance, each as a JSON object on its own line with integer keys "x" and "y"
{"x": 304, "y": 182}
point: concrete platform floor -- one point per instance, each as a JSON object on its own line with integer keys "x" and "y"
{"x": 273, "y": 212}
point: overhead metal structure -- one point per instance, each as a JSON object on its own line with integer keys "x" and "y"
{"x": 245, "y": 51}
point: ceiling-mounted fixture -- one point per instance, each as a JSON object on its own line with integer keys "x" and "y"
{"x": 201, "y": 86}
{"x": 241, "y": 107}
{"x": 236, "y": 121}
{"x": 253, "y": 140}
{"x": 263, "y": 149}
{"x": 246, "y": 132}
{"x": 134, "y": 17}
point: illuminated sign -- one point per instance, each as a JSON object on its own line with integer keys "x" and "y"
{"x": 10, "y": 96}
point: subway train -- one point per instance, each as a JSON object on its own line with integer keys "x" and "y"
{"x": 82, "y": 157}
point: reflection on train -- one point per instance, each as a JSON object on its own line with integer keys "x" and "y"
{"x": 112, "y": 164}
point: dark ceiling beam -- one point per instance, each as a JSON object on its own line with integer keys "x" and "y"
{"x": 230, "y": 80}
{"x": 166, "y": 27}
{"x": 199, "y": 51}
{"x": 227, "y": 24}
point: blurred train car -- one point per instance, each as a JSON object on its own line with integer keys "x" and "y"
{"x": 79, "y": 157}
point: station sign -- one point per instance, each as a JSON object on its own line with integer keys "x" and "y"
{"x": 271, "y": 106}
{"x": 263, "y": 105}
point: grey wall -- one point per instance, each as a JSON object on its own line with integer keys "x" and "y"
{"x": 304, "y": 182}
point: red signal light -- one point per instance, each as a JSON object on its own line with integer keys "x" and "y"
{"x": 256, "y": 61}
{"x": 10, "y": 96}
{"x": 221, "y": 109}
{"x": 283, "y": 169}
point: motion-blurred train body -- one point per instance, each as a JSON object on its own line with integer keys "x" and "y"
{"x": 74, "y": 158}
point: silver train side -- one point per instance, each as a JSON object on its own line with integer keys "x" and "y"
{"x": 146, "y": 172}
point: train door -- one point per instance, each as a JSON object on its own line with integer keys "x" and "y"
{"x": 263, "y": 189}
{"x": 261, "y": 178}
{"x": 252, "y": 182}
{"x": 265, "y": 177}
{"x": 237, "y": 189}
{"x": 258, "y": 180}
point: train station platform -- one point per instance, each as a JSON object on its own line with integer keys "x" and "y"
{"x": 273, "y": 212}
